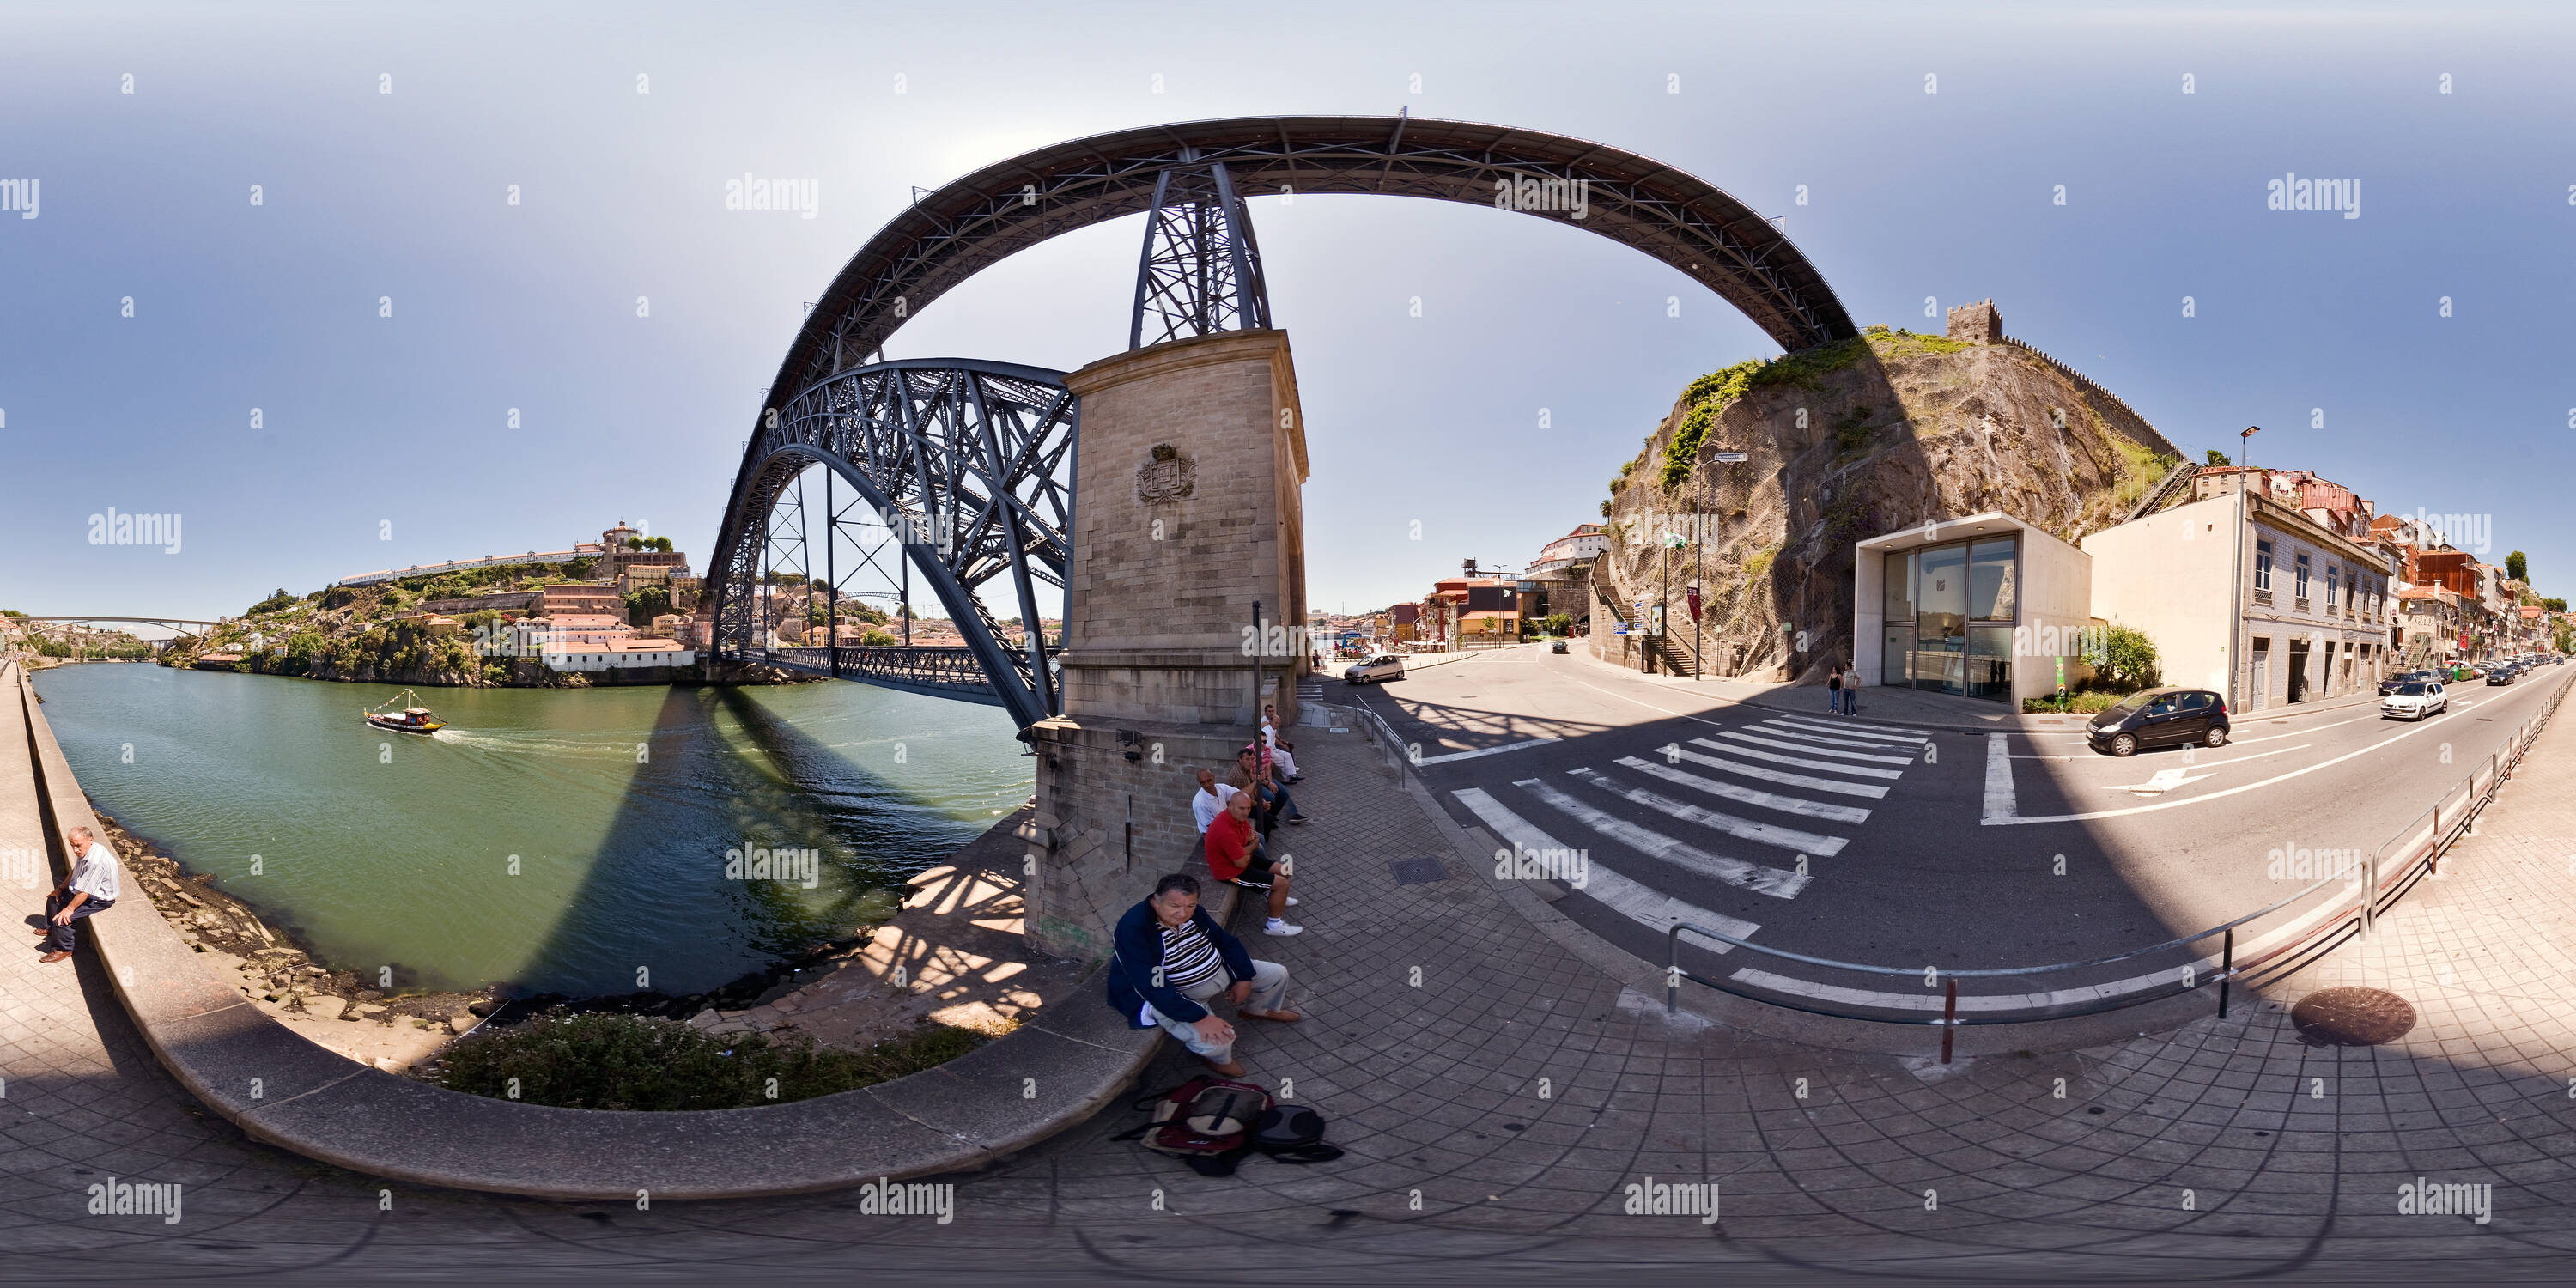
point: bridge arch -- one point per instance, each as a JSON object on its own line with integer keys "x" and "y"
{"x": 969, "y": 466}
{"x": 951, "y": 234}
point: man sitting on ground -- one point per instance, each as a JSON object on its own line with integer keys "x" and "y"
{"x": 1271, "y": 801}
{"x": 92, "y": 888}
{"x": 1210, "y": 800}
{"x": 1235, "y": 855}
{"x": 1172, "y": 958}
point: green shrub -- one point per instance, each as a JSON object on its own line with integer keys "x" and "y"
{"x": 1758, "y": 563}
{"x": 2124, "y": 658}
{"x": 609, "y": 1061}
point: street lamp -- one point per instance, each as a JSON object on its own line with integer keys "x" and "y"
{"x": 2245, "y": 448}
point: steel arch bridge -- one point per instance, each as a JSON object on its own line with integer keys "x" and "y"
{"x": 968, "y": 465}
{"x": 957, "y": 231}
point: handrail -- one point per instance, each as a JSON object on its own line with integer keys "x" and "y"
{"x": 2375, "y": 893}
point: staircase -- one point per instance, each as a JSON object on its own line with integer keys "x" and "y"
{"x": 2175, "y": 483}
{"x": 1672, "y": 652}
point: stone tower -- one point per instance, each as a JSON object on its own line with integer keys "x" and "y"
{"x": 1977, "y": 323}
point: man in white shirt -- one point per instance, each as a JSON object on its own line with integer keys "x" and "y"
{"x": 92, "y": 888}
{"x": 1211, "y": 799}
{"x": 1279, "y": 751}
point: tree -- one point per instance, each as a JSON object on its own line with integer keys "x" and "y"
{"x": 2217, "y": 457}
{"x": 2124, "y": 658}
{"x": 662, "y": 544}
{"x": 2517, "y": 566}
{"x": 274, "y": 602}
{"x": 645, "y": 604}
{"x": 2554, "y": 604}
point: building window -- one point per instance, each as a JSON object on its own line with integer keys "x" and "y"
{"x": 2263, "y": 569}
{"x": 2299, "y": 584}
{"x": 2334, "y": 585}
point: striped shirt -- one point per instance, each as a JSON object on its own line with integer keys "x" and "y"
{"x": 1188, "y": 955}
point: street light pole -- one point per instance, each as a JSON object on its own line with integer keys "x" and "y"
{"x": 2245, "y": 450}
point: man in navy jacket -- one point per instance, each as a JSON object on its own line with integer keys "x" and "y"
{"x": 1172, "y": 958}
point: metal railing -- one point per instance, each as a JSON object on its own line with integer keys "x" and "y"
{"x": 2411, "y": 855}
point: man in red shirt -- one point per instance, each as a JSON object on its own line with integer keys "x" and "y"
{"x": 1234, "y": 854}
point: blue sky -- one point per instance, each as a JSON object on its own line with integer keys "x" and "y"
{"x": 399, "y": 424}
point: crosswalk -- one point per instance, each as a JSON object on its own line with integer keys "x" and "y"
{"x": 1782, "y": 790}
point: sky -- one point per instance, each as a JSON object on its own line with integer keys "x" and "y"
{"x": 383, "y": 311}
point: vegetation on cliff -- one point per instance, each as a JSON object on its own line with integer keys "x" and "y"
{"x": 1844, "y": 442}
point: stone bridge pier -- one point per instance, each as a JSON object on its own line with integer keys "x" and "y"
{"x": 1192, "y": 456}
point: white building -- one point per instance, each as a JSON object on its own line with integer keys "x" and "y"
{"x": 1983, "y": 607}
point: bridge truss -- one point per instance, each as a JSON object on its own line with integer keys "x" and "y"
{"x": 961, "y": 471}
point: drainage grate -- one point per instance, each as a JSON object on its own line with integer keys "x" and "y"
{"x": 2352, "y": 1017}
{"x": 1420, "y": 870}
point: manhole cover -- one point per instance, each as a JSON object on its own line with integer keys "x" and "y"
{"x": 2352, "y": 1017}
{"x": 1425, "y": 869}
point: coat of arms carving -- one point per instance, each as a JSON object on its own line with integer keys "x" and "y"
{"x": 1166, "y": 476}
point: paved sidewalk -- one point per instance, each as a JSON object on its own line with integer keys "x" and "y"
{"x": 1496, "y": 1104}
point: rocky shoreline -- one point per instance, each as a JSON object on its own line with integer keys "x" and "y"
{"x": 404, "y": 1031}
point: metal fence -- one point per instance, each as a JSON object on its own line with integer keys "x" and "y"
{"x": 2349, "y": 907}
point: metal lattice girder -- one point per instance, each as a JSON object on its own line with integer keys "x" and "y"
{"x": 972, "y": 462}
{"x": 949, "y": 235}
{"x": 1201, "y": 271}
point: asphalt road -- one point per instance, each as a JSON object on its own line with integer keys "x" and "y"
{"x": 1863, "y": 840}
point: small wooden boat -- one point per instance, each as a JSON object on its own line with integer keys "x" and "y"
{"x": 411, "y": 719}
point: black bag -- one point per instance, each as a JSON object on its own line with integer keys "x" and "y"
{"x": 1293, "y": 1134}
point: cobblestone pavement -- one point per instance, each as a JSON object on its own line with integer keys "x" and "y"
{"x": 1496, "y": 1106}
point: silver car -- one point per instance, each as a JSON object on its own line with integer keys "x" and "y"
{"x": 1383, "y": 667}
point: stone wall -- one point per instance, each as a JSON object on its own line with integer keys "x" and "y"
{"x": 1107, "y": 826}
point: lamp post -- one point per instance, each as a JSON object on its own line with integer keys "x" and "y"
{"x": 2245, "y": 445}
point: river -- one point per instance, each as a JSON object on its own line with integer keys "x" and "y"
{"x": 570, "y": 841}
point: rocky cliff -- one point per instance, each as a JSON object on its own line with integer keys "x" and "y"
{"x": 1846, "y": 442}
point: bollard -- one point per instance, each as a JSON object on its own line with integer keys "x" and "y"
{"x": 2226, "y": 969}
{"x": 1949, "y": 1018}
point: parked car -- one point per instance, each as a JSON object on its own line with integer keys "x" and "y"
{"x": 1556, "y": 646}
{"x": 2503, "y": 675}
{"x": 1383, "y": 667}
{"x": 2159, "y": 718}
{"x": 2416, "y": 700}
{"x": 2389, "y": 685}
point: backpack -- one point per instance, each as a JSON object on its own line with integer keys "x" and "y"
{"x": 1293, "y": 1134}
{"x": 1211, "y": 1123}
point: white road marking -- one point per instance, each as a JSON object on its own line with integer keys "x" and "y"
{"x": 1864, "y": 726}
{"x": 1777, "y": 759}
{"x": 1735, "y": 872}
{"x": 1864, "y": 742}
{"x": 1748, "y": 795}
{"x": 1812, "y": 749}
{"x": 1655, "y": 911}
{"x": 1835, "y": 785}
{"x": 1787, "y": 838}
{"x": 1999, "y": 783}
{"x": 1821, "y": 726}
{"x": 2162, "y": 781}
{"x": 1485, "y": 751}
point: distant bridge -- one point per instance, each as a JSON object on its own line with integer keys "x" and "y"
{"x": 166, "y": 623}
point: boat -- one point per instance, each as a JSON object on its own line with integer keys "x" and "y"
{"x": 411, "y": 719}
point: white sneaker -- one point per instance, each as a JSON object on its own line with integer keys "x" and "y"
{"x": 1278, "y": 927}
{"x": 1292, "y": 901}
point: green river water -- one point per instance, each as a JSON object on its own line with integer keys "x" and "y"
{"x": 616, "y": 805}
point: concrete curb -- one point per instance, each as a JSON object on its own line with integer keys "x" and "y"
{"x": 1055, "y": 1072}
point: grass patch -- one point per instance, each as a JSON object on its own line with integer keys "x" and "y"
{"x": 1758, "y": 563}
{"x": 2085, "y": 702}
{"x": 611, "y": 1061}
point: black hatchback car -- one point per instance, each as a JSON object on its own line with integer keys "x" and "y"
{"x": 2160, "y": 718}
{"x": 2503, "y": 673}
